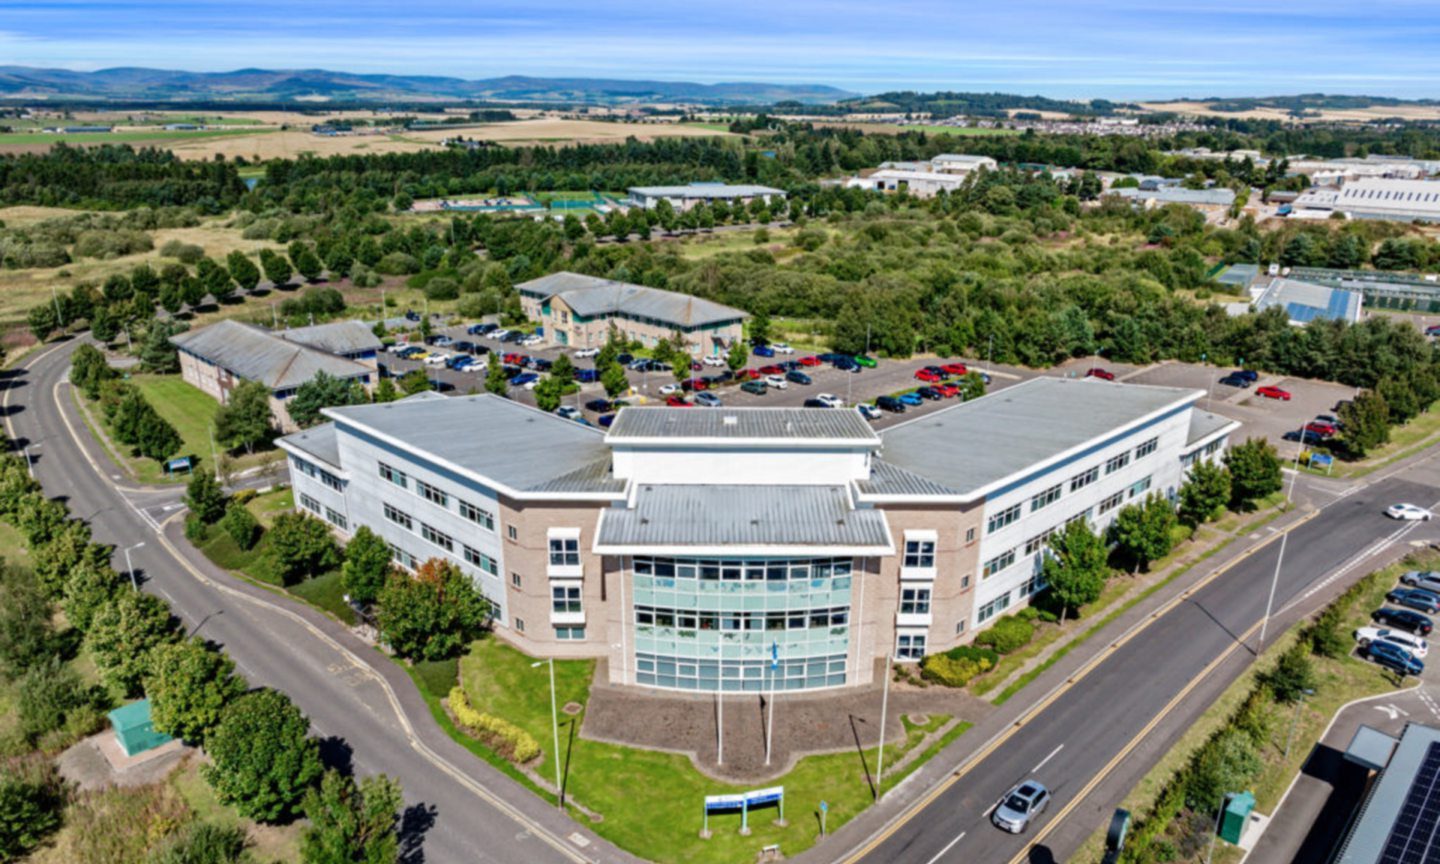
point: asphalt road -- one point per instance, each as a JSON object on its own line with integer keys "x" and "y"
{"x": 362, "y": 706}
{"x": 1086, "y": 739}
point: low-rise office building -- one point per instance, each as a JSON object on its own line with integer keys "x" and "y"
{"x": 921, "y": 184}
{"x": 580, "y": 311}
{"x": 688, "y": 546}
{"x": 683, "y": 198}
{"x": 218, "y": 357}
{"x": 961, "y": 163}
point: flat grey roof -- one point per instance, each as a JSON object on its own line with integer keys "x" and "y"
{"x": 1178, "y": 195}
{"x": 591, "y": 296}
{"x": 1304, "y": 302}
{"x": 503, "y": 442}
{"x": 971, "y": 446}
{"x": 742, "y": 424}
{"x": 1387, "y": 830}
{"x": 887, "y": 479}
{"x": 317, "y": 441}
{"x": 337, "y": 337}
{"x": 705, "y": 516}
{"x": 706, "y": 190}
{"x": 1240, "y": 275}
{"x": 256, "y": 354}
{"x": 1203, "y": 424}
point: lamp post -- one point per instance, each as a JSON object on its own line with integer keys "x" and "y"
{"x": 554, "y": 730}
{"x": 1295, "y": 719}
{"x": 1219, "y": 814}
{"x": 884, "y": 704}
{"x": 130, "y": 568}
{"x": 1295, "y": 469}
{"x": 770, "y": 703}
{"x": 1265, "y": 622}
{"x": 29, "y": 462}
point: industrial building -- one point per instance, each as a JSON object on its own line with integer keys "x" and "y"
{"x": 1304, "y": 302}
{"x": 683, "y": 198}
{"x": 581, "y": 311}
{"x": 1392, "y": 200}
{"x": 961, "y": 163}
{"x": 690, "y": 546}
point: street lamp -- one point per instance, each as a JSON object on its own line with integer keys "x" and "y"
{"x": 130, "y": 568}
{"x": 29, "y": 462}
{"x": 555, "y": 730}
{"x": 1265, "y": 622}
{"x": 884, "y": 704}
{"x": 1295, "y": 719}
{"x": 1219, "y": 814}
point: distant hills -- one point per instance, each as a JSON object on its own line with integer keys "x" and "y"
{"x": 323, "y": 85}
{"x": 950, "y": 104}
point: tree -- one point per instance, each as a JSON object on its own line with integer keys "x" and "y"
{"x": 1142, "y": 531}
{"x": 89, "y": 370}
{"x": 367, "y": 566}
{"x": 563, "y": 370}
{"x": 205, "y": 498}
{"x": 414, "y": 381}
{"x": 1227, "y": 762}
{"x": 264, "y": 760}
{"x": 495, "y": 381}
{"x": 50, "y": 694}
{"x": 277, "y": 267}
{"x": 322, "y": 391}
{"x": 158, "y": 439}
{"x": 613, "y": 379}
{"x": 1254, "y": 471}
{"x": 301, "y": 546}
{"x": 157, "y": 354}
{"x": 243, "y": 271}
{"x": 760, "y": 328}
{"x": 201, "y": 843}
{"x": 1077, "y": 565}
{"x": 972, "y": 386}
{"x": 548, "y": 394}
{"x": 241, "y": 525}
{"x": 351, "y": 822}
{"x": 1366, "y": 421}
{"x": 214, "y": 279}
{"x": 244, "y": 420}
{"x": 68, "y": 548}
{"x": 1292, "y": 676}
{"x": 87, "y": 590}
{"x": 385, "y": 391}
{"x": 189, "y": 684}
{"x": 306, "y": 262}
{"x": 26, "y": 634}
{"x": 31, "y": 800}
{"x": 1206, "y": 491}
{"x": 433, "y": 614}
{"x": 737, "y": 357}
{"x": 122, "y": 634}
{"x": 42, "y": 321}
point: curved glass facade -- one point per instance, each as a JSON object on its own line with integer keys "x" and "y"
{"x": 699, "y": 622}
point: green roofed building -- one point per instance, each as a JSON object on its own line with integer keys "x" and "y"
{"x": 134, "y": 730}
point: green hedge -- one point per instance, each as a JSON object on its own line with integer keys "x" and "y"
{"x": 956, "y": 667}
{"x": 1010, "y": 633}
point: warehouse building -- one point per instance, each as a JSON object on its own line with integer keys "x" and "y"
{"x": 961, "y": 163}
{"x": 1391, "y": 200}
{"x": 218, "y": 357}
{"x": 683, "y": 198}
{"x": 581, "y": 311}
{"x": 689, "y": 546}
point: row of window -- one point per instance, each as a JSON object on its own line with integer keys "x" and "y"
{"x": 315, "y": 471}
{"x": 437, "y": 496}
{"x": 714, "y": 569}
{"x": 795, "y": 619}
{"x": 1049, "y": 496}
{"x": 998, "y": 563}
{"x": 329, "y": 514}
{"x": 439, "y": 538}
{"x": 994, "y": 607}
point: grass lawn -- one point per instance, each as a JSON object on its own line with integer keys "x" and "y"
{"x": 709, "y": 245}
{"x": 651, "y": 801}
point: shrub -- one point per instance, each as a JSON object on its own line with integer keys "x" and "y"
{"x": 500, "y": 735}
{"x": 50, "y": 693}
{"x": 1008, "y": 634}
{"x": 241, "y": 525}
{"x": 30, "y": 800}
{"x": 956, "y": 667}
{"x": 201, "y": 843}
{"x": 186, "y": 253}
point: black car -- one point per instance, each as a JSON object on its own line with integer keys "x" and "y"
{"x": 463, "y": 345}
{"x": 1405, "y": 619}
{"x": 624, "y": 359}
{"x": 790, "y": 365}
{"x": 481, "y": 329}
{"x": 599, "y": 406}
{"x": 1236, "y": 380}
{"x": 441, "y": 386}
{"x": 540, "y": 364}
{"x": 515, "y": 337}
{"x": 891, "y": 404}
{"x": 1304, "y": 436}
{"x": 829, "y": 358}
{"x": 847, "y": 364}
{"x": 815, "y": 403}
{"x": 1248, "y": 374}
{"x": 412, "y": 315}
{"x": 797, "y": 377}
{"x": 930, "y": 393}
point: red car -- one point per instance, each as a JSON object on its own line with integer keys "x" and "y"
{"x": 926, "y": 375}
{"x": 693, "y": 385}
{"x": 1324, "y": 430}
{"x": 771, "y": 370}
{"x": 954, "y": 369}
{"x": 515, "y": 359}
{"x": 1102, "y": 374}
{"x": 948, "y": 390}
{"x": 1273, "y": 393}
{"x": 747, "y": 375}
{"x": 809, "y": 361}
{"x": 678, "y": 402}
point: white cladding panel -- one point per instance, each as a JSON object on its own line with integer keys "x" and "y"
{"x": 735, "y": 466}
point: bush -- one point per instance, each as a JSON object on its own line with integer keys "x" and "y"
{"x": 50, "y": 693}
{"x": 30, "y": 800}
{"x": 263, "y": 757}
{"x": 956, "y": 667}
{"x": 186, "y": 253}
{"x": 500, "y": 735}
{"x": 201, "y": 843}
{"x": 1008, "y": 634}
{"x": 241, "y": 525}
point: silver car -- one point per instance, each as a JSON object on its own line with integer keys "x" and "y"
{"x": 1019, "y": 806}
{"x": 1428, "y": 580}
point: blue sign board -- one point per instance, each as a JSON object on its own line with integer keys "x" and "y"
{"x": 1321, "y": 460}
{"x": 180, "y": 464}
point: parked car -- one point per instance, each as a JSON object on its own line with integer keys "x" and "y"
{"x": 928, "y": 376}
{"x": 516, "y": 337}
{"x": 441, "y": 386}
{"x": 587, "y": 376}
{"x": 798, "y": 377}
{"x": 756, "y": 387}
{"x": 583, "y": 353}
{"x": 1433, "y": 330}
{"x": 772, "y": 370}
{"x": 713, "y": 360}
{"x": 1020, "y": 806}
{"x": 847, "y": 364}
{"x": 669, "y": 389}
{"x": 599, "y": 406}
{"x": 444, "y": 341}
{"x": 693, "y": 385}
{"x": 812, "y": 360}
{"x": 623, "y": 358}
{"x": 539, "y": 364}
{"x": 864, "y": 360}
{"x": 1248, "y": 374}
{"x": 1415, "y": 598}
{"x": 748, "y": 375}
{"x": 1236, "y": 380}
{"x": 641, "y": 364}
{"x": 763, "y": 351}
{"x": 1324, "y": 430}
{"x": 911, "y": 399}
{"x": 528, "y": 380}
{"x": 1405, "y": 619}
{"x": 1329, "y": 420}
{"x": 1272, "y": 392}
{"x": 948, "y": 389}
{"x": 463, "y": 345}
{"x": 459, "y": 361}
{"x": 412, "y": 315}
{"x": 1102, "y": 374}
{"x": 1305, "y": 436}
{"x": 708, "y": 400}
{"x": 831, "y": 357}
{"x": 1408, "y": 513}
{"x": 831, "y": 400}
{"x": 569, "y": 412}
{"x": 781, "y": 348}
{"x": 1427, "y": 580}
{"x": 954, "y": 368}
{"x": 605, "y": 420}
{"x": 481, "y": 329}
{"x": 516, "y": 359}
{"x": 868, "y": 411}
{"x": 776, "y": 381}
{"x": 678, "y": 402}
{"x": 498, "y": 334}
{"x": 437, "y": 359}
{"x": 930, "y": 393}
{"x": 891, "y": 404}
{"x": 1392, "y": 656}
{"x": 1367, "y": 636}
{"x": 813, "y": 403}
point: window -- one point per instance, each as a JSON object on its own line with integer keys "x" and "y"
{"x": 1117, "y": 462}
{"x": 920, "y": 553}
{"x": 304, "y": 467}
{"x": 1032, "y": 585}
{"x": 332, "y": 481}
{"x": 515, "y": 579}
{"x": 1040, "y": 541}
{"x": 1045, "y": 499}
{"x": 432, "y": 494}
{"x": 565, "y": 598}
{"x": 998, "y": 563}
{"x": 437, "y": 537}
{"x": 401, "y": 557}
{"x": 564, "y": 552}
{"x": 520, "y": 625}
{"x": 309, "y": 503}
{"x": 399, "y": 517}
{"x": 1111, "y": 503}
{"x": 480, "y": 559}
{"x": 399, "y": 478}
{"x": 1080, "y": 481}
{"x": 915, "y": 601}
{"x": 910, "y": 646}
{"x": 510, "y": 531}
{"x": 994, "y": 607}
{"x": 569, "y": 634}
{"x": 969, "y": 535}
{"x": 483, "y": 518}
{"x": 1139, "y": 487}
{"x": 335, "y": 519}
{"x": 965, "y": 581}
{"x": 959, "y": 626}
{"x": 1147, "y": 448}
{"x": 1003, "y": 518}
{"x": 1214, "y": 446}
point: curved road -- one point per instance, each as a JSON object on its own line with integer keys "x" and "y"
{"x": 363, "y": 707}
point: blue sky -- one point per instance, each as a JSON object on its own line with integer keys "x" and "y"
{"x": 1083, "y": 48}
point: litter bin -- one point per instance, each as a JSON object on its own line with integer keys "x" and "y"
{"x": 1237, "y": 813}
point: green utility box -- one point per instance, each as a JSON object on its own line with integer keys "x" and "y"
{"x": 1237, "y": 813}
{"x": 134, "y": 730}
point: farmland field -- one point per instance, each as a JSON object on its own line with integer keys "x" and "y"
{"x": 19, "y": 142}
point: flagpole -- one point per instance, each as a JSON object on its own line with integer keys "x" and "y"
{"x": 720, "y": 698}
{"x": 770, "y": 708}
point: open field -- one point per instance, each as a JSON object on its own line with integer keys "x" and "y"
{"x": 1353, "y": 115}
{"x": 35, "y": 142}
{"x": 896, "y": 129}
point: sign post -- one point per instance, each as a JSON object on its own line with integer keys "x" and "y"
{"x": 824, "y": 808}
{"x": 743, "y": 801}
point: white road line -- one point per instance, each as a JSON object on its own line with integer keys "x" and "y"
{"x": 1047, "y": 759}
{"x": 948, "y": 847}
